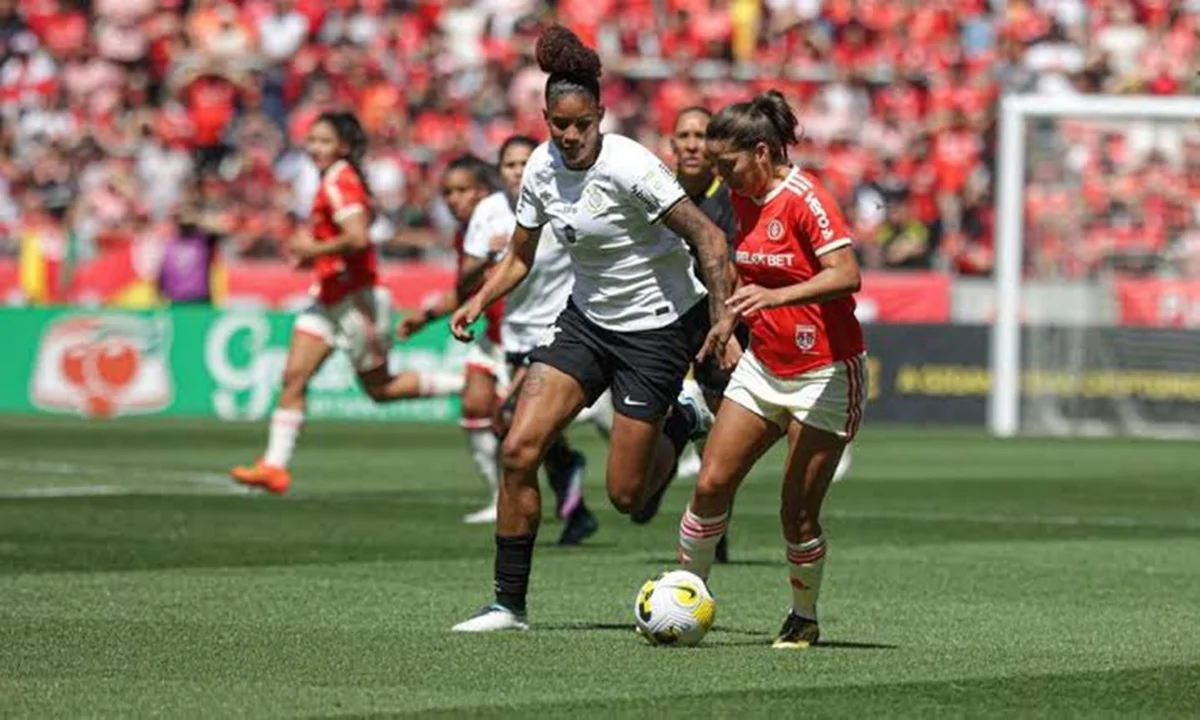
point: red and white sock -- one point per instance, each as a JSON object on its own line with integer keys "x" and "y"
{"x": 281, "y": 440}
{"x": 806, "y": 561}
{"x": 440, "y": 384}
{"x": 698, "y": 538}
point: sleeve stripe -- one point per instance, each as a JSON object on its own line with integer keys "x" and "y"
{"x": 834, "y": 245}
{"x": 530, "y": 229}
{"x": 667, "y": 210}
{"x": 348, "y": 211}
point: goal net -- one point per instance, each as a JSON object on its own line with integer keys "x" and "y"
{"x": 1097, "y": 249}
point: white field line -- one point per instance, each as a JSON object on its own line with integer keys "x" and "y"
{"x": 997, "y": 519}
{"x": 218, "y": 482}
{"x": 67, "y": 491}
{"x": 214, "y": 481}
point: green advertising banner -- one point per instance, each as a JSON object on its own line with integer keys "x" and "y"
{"x": 195, "y": 362}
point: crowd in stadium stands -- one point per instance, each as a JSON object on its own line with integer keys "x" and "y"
{"x": 121, "y": 119}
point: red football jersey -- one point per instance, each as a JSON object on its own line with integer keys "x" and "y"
{"x": 779, "y": 242}
{"x": 341, "y": 195}
{"x": 494, "y": 314}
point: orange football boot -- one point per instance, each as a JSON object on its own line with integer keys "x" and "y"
{"x": 261, "y": 475}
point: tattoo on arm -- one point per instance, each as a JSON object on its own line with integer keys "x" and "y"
{"x": 688, "y": 222}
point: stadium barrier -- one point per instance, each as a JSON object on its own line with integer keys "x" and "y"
{"x": 189, "y": 362}
{"x": 112, "y": 280}
{"x": 939, "y": 374}
{"x": 202, "y": 362}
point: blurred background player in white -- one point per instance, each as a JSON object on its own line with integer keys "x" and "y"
{"x": 349, "y": 310}
{"x": 468, "y": 187}
{"x": 635, "y": 321}
{"x": 804, "y": 374}
{"x": 528, "y": 311}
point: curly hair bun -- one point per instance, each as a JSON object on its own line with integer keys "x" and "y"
{"x": 561, "y": 52}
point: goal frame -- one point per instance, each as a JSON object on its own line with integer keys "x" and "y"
{"x": 1004, "y": 402}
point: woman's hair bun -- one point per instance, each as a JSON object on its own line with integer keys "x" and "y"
{"x": 560, "y": 52}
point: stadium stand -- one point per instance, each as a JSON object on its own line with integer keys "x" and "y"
{"x": 120, "y": 118}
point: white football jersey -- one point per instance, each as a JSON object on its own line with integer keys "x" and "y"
{"x": 631, "y": 272}
{"x": 491, "y": 219}
{"x": 534, "y": 304}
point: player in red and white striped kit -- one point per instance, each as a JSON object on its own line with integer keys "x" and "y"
{"x": 350, "y": 310}
{"x": 804, "y": 374}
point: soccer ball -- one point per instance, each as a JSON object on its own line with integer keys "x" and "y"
{"x": 674, "y": 608}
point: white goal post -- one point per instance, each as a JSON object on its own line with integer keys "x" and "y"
{"x": 1004, "y": 410}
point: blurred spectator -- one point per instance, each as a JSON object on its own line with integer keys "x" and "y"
{"x": 282, "y": 31}
{"x": 903, "y": 240}
{"x": 121, "y": 118}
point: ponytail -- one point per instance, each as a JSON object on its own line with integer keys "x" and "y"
{"x": 767, "y": 118}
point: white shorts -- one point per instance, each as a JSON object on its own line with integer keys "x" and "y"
{"x": 359, "y": 324}
{"x": 829, "y": 398}
{"x": 487, "y": 356}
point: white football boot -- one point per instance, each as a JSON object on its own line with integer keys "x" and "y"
{"x": 693, "y": 397}
{"x": 689, "y": 464}
{"x": 492, "y": 619}
{"x": 483, "y": 515}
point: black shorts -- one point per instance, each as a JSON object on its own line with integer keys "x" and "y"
{"x": 709, "y": 375}
{"x": 516, "y": 361}
{"x": 644, "y": 368}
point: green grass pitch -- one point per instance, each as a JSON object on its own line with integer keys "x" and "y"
{"x": 967, "y": 577}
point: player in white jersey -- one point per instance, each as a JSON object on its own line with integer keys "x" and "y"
{"x": 468, "y": 188}
{"x": 528, "y": 312}
{"x": 636, "y": 320}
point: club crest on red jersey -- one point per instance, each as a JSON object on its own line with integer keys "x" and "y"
{"x": 775, "y": 230}
{"x": 806, "y": 337}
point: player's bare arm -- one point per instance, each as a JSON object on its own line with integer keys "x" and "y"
{"x": 688, "y": 222}
{"x": 469, "y": 277}
{"x": 352, "y": 239}
{"x": 508, "y": 274}
{"x": 839, "y": 277}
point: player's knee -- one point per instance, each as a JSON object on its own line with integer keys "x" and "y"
{"x": 376, "y": 391}
{"x": 519, "y": 454}
{"x": 713, "y": 488}
{"x": 625, "y": 500}
{"x": 476, "y": 407}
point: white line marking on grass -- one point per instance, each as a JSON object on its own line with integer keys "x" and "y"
{"x": 995, "y": 519}
{"x": 213, "y": 481}
{"x": 67, "y": 491}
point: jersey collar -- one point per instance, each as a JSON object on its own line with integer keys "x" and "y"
{"x": 712, "y": 189}
{"x": 793, "y": 173}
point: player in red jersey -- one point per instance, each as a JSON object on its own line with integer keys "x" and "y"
{"x": 349, "y": 310}
{"x": 804, "y": 374}
{"x": 467, "y": 182}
